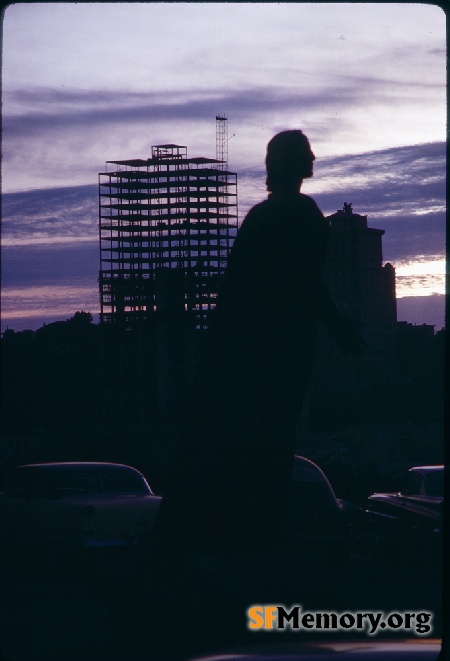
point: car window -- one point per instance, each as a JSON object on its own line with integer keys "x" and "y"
{"x": 101, "y": 481}
{"x": 76, "y": 481}
{"x": 435, "y": 484}
{"x": 44, "y": 483}
{"x": 412, "y": 484}
{"x": 305, "y": 473}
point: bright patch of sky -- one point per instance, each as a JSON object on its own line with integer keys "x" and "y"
{"x": 421, "y": 277}
{"x": 30, "y": 307}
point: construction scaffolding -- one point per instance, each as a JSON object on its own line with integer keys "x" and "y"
{"x": 166, "y": 212}
{"x": 166, "y": 226}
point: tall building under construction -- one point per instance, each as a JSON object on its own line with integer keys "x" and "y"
{"x": 166, "y": 226}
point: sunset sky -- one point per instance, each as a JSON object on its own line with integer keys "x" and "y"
{"x": 87, "y": 83}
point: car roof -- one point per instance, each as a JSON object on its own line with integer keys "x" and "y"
{"x": 306, "y": 462}
{"x": 87, "y": 465}
{"x": 427, "y": 469}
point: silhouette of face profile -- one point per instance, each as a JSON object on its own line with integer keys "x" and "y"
{"x": 289, "y": 160}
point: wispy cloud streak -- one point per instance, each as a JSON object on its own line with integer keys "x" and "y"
{"x": 50, "y": 215}
{"x": 42, "y": 109}
{"x": 48, "y": 109}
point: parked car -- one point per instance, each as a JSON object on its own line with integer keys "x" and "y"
{"x": 409, "y": 522}
{"x": 316, "y": 512}
{"x": 75, "y": 506}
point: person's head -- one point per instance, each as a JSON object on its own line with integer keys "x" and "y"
{"x": 289, "y": 160}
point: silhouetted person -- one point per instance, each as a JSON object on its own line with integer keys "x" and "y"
{"x": 228, "y": 485}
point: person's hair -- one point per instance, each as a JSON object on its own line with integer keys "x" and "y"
{"x": 288, "y": 153}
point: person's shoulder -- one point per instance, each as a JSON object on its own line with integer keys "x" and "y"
{"x": 309, "y": 209}
{"x": 308, "y": 202}
{"x": 305, "y": 199}
{"x": 255, "y": 215}
{"x": 259, "y": 209}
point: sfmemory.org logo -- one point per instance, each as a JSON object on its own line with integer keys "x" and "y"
{"x": 278, "y": 617}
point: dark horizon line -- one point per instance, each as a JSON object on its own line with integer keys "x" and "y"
{"x": 52, "y": 319}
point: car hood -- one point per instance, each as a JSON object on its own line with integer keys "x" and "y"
{"x": 380, "y": 650}
{"x": 422, "y": 505}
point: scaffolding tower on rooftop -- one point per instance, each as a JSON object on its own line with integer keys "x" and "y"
{"x": 222, "y": 140}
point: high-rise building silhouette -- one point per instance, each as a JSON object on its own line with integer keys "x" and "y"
{"x": 166, "y": 226}
{"x": 364, "y": 289}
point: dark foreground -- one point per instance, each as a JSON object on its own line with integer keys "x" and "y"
{"x": 130, "y": 607}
